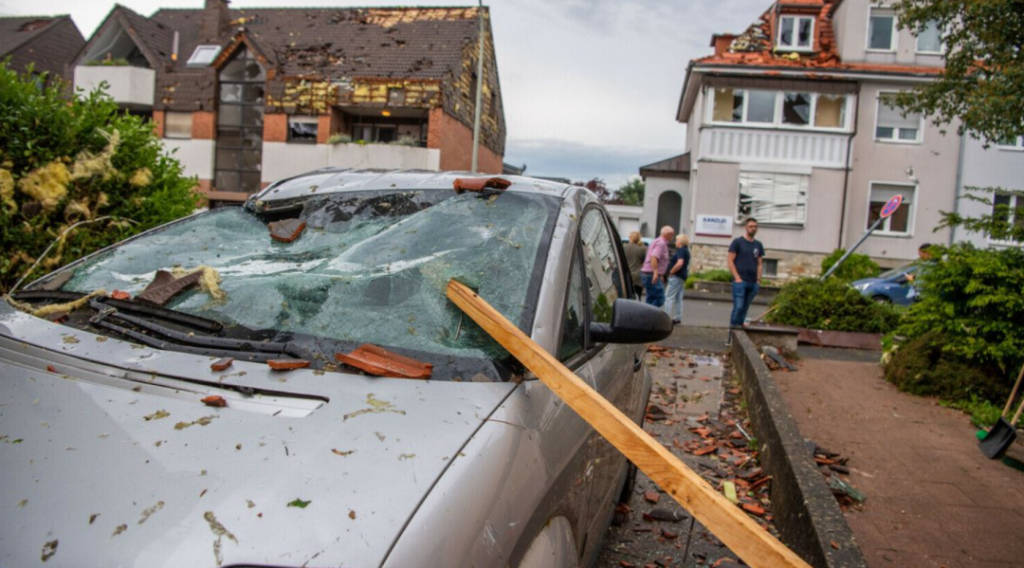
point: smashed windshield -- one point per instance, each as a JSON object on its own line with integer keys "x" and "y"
{"x": 369, "y": 267}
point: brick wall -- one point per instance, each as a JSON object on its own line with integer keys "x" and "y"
{"x": 455, "y": 141}
{"x": 204, "y": 125}
{"x": 158, "y": 123}
{"x": 275, "y": 127}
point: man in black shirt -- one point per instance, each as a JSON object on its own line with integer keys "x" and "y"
{"x": 746, "y": 255}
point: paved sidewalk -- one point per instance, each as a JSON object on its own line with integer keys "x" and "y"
{"x": 933, "y": 498}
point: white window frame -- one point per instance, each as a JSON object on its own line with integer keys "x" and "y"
{"x": 942, "y": 43}
{"x": 761, "y": 219}
{"x": 203, "y": 55}
{"x": 1018, "y": 146}
{"x": 778, "y": 123}
{"x": 896, "y": 139}
{"x": 796, "y": 32}
{"x": 883, "y": 230}
{"x": 1012, "y": 214}
{"x": 893, "y": 43}
{"x": 167, "y": 121}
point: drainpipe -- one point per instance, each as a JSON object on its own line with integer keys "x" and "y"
{"x": 959, "y": 186}
{"x": 849, "y": 167}
{"x": 479, "y": 86}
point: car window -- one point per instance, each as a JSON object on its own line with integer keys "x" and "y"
{"x": 574, "y": 319}
{"x": 601, "y": 264}
{"x": 370, "y": 266}
{"x": 892, "y": 273}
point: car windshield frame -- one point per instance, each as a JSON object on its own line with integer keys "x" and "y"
{"x": 898, "y": 271}
{"x": 541, "y": 210}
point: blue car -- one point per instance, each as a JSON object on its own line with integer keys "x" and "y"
{"x": 890, "y": 287}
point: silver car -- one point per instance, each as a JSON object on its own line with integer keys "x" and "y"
{"x": 109, "y": 456}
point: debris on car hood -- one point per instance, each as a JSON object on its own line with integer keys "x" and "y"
{"x": 479, "y": 184}
{"x": 46, "y": 311}
{"x": 165, "y": 286}
{"x": 287, "y": 230}
{"x": 383, "y": 363}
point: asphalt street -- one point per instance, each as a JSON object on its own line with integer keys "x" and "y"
{"x": 713, "y": 313}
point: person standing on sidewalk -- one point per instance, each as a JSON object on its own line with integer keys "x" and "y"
{"x": 746, "y": 256}
{"x": 655, "y": 266}
{"x": 677, "y": 276}
{"x": 636, "y": 254}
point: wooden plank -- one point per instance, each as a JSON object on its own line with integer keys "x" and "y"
{"x": 743, "y": 536}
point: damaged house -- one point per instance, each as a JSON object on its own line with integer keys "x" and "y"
{"x": 247, "y": 97}
{"x": 789, "y": 123}
{"x": 47, "y": 43}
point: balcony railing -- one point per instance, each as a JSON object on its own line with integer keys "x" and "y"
{"x": 131, "y": 87}
{"x": 816, "y": 149}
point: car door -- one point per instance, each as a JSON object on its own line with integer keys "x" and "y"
{"x": 614, "y": 369}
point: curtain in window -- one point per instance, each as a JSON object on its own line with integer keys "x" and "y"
{"x": 779, "y": 199}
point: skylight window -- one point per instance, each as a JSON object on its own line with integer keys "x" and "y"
{"x": 204, "y": 55}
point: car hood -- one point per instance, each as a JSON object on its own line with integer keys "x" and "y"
{"x": 867, "y": 282}
{"x": 110, "y": 461}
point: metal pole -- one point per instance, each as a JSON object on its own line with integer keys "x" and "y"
{"x": 479, "y": 87}
{"x": 853, "y": 248}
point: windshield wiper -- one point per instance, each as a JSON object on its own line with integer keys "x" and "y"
{"x": 189, "y": 343}
{"x": 168, "y": 314}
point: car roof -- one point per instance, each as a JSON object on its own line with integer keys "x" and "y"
{"x": 337, "y": 180}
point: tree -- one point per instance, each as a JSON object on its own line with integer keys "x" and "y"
{"x": 76, "y": 161}
{"x": 982, "y": 84}
{"x": 597, "y": 186}
{"x": 631, "y": 192}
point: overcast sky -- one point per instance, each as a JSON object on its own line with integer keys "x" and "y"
{"x": 590, "y": 86}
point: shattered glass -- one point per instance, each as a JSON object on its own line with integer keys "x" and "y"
{"x": 371, "y": 267}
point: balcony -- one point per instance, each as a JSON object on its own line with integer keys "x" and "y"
{"x": 768, "y": 146}
{"x": 131, "y": 87}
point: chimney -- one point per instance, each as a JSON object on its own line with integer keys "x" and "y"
{"x": 215, "y": 23}
{"x": 722, "y": 42}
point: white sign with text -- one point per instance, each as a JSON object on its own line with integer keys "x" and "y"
{"x": 714, "y": 226}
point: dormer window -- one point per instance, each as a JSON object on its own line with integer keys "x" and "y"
{"x": 796, "y": 33}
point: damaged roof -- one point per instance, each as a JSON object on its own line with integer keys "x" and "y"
{"x": 15, "y": 32}
{"x": 48, "y": 43}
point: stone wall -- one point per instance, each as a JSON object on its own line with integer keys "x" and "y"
{"x": 792, "y": 264}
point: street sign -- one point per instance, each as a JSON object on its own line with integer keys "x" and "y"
{"x": 892, "y": 206}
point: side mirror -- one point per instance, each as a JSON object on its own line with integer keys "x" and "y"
{"x": 633, "y": 322}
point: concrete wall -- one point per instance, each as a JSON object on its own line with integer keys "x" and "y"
{"x": 283, "y": 160}
{"x": 994, "y": 167}
{"x": 851, "y": 30}
{"x": 933, "y": 162}
{"x": 655, "y": 186}
{"x": 195, "y": 155}
{"x": 717, "y": 193}
{"x": 132, "y": 86}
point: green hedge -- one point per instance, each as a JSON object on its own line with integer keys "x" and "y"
{"x": 830, "y": 305}
{"x": 854, "y": 268}
{"x": 67, "y": 159}
{"x": 713, "y": 275}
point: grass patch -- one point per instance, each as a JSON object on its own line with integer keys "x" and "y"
{"x": 983, "y": 413}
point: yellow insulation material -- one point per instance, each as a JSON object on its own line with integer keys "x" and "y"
{"x": 46, "y": 184}
{"x": 88, "y": 165}
{"x": 209, "y": 282}
{"x": 66, "y": 307}
{"x": 7, "y": 190}
{"x": 141, "y": 177}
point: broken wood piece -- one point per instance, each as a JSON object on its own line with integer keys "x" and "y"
{"x": 215, "y": 401}
{"x": 287, "y": 230}
{"x": 287, "y": 364}
{"x": 222, "y": 364}
{"x": 165, "y": 286}
{"x": 383, "y": 363}
{"x": 479, "y": 184}
{"x": 740, "y": 533}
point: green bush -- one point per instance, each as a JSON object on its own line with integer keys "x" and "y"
{"x": 66, "y": 159}
{"x": 965, "y": 337}
{"x": 854, "y": 268}
{"x": 983, "y": 413}
{"x": 926, "y": 366}
{"x": 830, "y": 305}
{"x": 713, "y": 275}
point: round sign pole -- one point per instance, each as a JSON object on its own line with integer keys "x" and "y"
{"x": 890, "y": 207}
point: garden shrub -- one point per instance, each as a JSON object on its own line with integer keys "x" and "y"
{"x": 713, "y": 275}
{"x": 926, "y": 366}
{"x": 854, "y": 268}
{"x": 65, "y": 159}
{"x": 972, "y": 310}
{"x": 830, "y": 305}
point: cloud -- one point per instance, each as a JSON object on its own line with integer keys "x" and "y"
{"x": 580, "y": 162}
